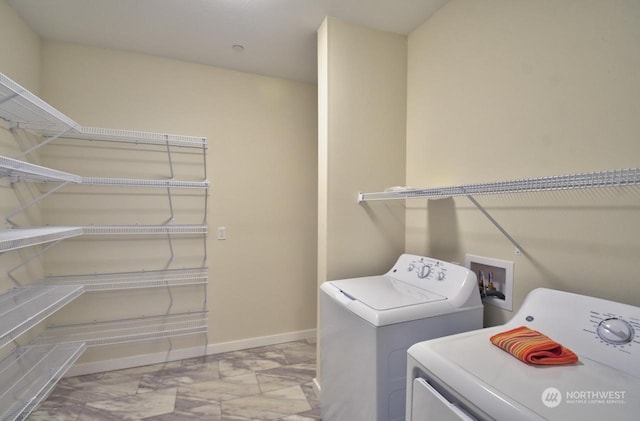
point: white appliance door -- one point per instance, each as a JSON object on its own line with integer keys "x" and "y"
{"x": 427, "y": 404}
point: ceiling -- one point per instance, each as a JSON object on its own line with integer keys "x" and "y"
{"x": 278, "y": 36}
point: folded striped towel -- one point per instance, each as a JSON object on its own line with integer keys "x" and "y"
{"x": 533, "y": 347}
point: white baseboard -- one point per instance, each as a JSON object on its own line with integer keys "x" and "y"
{"x": 316, "y": 387}
{"x": 181, "y": 354}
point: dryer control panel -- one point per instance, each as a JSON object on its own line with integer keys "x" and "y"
{"x": 604, "y": 331}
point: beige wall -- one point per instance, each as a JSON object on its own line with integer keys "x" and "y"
{"x": 362, "y": 91}
{"x": 261, "y": 162}
{"x": 499, "y": 90}
{"x": 20, "y": 46}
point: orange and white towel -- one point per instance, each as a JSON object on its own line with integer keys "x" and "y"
{"x": 533, "y": 347}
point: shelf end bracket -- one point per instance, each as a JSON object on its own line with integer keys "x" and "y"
{"x": 496, "y": 224}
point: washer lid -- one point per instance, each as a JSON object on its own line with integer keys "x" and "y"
{"x": 385, "y": 293}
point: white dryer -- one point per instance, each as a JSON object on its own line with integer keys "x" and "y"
{"x": 466, "y": 377}
{"x": 367, "y": 324}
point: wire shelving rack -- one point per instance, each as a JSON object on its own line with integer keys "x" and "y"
{"x": 21, "y": 170}
{"x": 133, "y": 280}
{"x": 127, "y": 330}
{"x": 23, "y": 308}
{"x": 12, "y": 239}
{"x": 29, "y": 373}
{"x": 588, "y": 180}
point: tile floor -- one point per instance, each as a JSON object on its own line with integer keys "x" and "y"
{"x": 267, "y": 383}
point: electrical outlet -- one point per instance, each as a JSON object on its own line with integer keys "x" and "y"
{"x": 222, "y": 233}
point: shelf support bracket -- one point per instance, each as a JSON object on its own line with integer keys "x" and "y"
{"x": 33, "y": 202}
{"x": 31, "y": 258}
{"x": 204, "y": 166}
{"x": 47, "y": 141}
{"x": 169, "y": 157}
{"x": 495, "y": 223}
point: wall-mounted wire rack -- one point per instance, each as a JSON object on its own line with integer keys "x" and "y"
{"x": 17, "y": 104}
{"x": 25, "y": 171}
{"x": 144, "y": 229}
{"x": 588, "y": 180}
{"x": 128, "y": 330}
{"x": 23, "y": 308}
{"x": 116, "y": 135}
{"x": 13, "y": 239}
{"x": 29, "y": 373}
{"x": 21, "y": 109}
{"x": 18, "y": 170}
{"x": 133, "y": 280}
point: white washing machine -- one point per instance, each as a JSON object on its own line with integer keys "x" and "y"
{"x": 466, "y": 377}
{"x": 367, "y": 324}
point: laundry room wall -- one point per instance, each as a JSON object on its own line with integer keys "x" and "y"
{"x": 362, "y": 97}
{"x": 261, "y": 162}
{"x": 20, "y": 46}
{"x": 501, "y": 90}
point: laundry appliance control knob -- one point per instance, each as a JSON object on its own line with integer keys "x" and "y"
{"x": 615, "y": 331}
{"x": 424, "y": 271}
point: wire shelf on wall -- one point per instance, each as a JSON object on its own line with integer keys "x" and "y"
{"x": 15, "y": 238}
{"x": 23, "y": 308}
{"x": 132, "y": 280}
{"x": 144, "y": 229}
{"x": 24, "y": 110}
{"x": 28, "y": 375}
{"x": 589, "y": 180}
{"x": 12, "y": 239}
{"x": 118, "y": 135}
{"x": 21, "y": 170}
{"x": 17, "y": 104}
{"x": 127, "y": 330}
